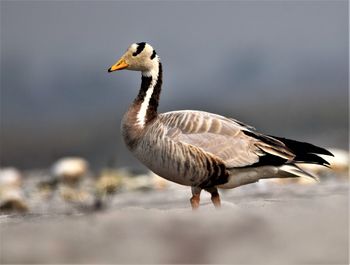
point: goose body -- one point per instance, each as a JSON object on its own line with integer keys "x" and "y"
{"x": 200, "y": 149}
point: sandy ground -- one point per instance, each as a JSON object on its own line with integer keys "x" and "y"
{"x": 259, "y": 223}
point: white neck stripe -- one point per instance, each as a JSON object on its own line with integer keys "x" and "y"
{"x": 141, "y": 115}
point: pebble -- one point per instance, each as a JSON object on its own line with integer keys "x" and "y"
{"x": 70, "y": 169}
{"x": 10, "y": 176}
{"x": 12, "y": 200}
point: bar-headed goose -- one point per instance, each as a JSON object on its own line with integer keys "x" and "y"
{"x": 200, "y": 149}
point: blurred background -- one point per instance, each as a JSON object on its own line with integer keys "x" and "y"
{"x": 281, "y": 66}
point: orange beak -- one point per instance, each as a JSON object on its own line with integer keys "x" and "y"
{"x": 121, "y": 64}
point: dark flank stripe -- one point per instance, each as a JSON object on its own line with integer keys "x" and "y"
{"x": 216, "y": 171}
{"x": 140, "y": 47}
{"x": 208, "y": 165}
{"x": 223, "y": 169}
{"x": 187, "y": 166}
{"x": 217, "y": 174}
{"x": 153, "y": 55}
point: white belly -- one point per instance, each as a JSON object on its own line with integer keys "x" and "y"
{"x": 239, "y": 177}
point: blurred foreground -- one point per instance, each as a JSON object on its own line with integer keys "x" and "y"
{"x": 68, "y": 215}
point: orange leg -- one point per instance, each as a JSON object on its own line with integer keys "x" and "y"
{"x": 196, "y": 193}
{"x": 215, "y": 196}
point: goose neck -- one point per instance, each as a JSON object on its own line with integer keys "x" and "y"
{"x": 147, "y": 100}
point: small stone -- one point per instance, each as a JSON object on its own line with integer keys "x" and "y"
{"x": 108, "y": 182}
{"x": 70, "y": 169}
{"x": 10, "y": 177}
{"x": 12, "y": 200}
{"x": 71, "y": 194}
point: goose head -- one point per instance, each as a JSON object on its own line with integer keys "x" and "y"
{"x": 138, "y": 57}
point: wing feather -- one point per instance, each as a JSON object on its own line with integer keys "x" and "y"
{"x": 225, "y": 138}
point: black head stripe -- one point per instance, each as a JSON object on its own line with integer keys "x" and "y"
{"x": 153, "y": 54}
{"x": 140, "y": 47}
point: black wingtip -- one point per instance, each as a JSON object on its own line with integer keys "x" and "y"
{"x": 110, "y": 70}
{"x": 326, "y": 152}
{"x": 311, "y": 159}
{"x": 321, "y": 151}
{"x": 326, "y": 163}
{"x": 302, "y": 147}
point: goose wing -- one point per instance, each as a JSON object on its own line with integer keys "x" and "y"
{"x": 235, "y": 143}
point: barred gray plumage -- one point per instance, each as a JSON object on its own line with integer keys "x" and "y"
{"x": 201, "y": 149}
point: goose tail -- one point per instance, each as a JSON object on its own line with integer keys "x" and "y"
{"x": 306, "y": 152}
{"x": 243, "y": 176}
{"x": 293, "y": 171}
